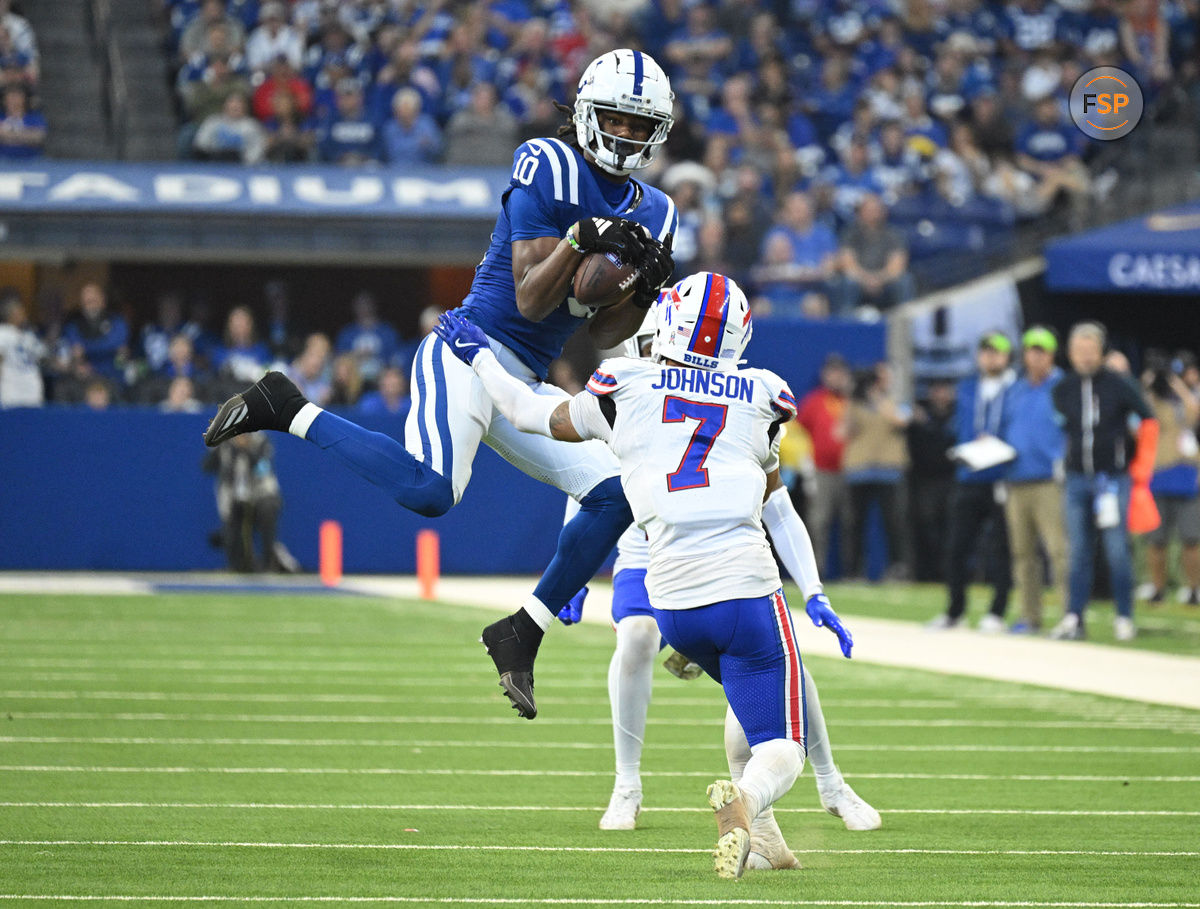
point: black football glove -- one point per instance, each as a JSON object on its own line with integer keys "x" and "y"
{"x": 656, "y": 268}
{"x": 616, "y": 236}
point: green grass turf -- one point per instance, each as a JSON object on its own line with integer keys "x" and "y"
{"x": 362, "y": 710}
{"x": 1167, "y": 628}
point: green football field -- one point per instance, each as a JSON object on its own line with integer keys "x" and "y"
{"x": 232, "y": 748}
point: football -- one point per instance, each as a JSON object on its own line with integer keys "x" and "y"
{"x": 604, "y": 279}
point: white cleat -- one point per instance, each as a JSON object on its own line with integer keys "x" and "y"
{"x": 942, "y": 622}
{"x": 856, "y": 814}
{"x": 733, "y": 829}
{"x": 769, "y": 852}
{"x": 623, "y": 809}
{"x": 991, "y": 624}
{"x": 1124, "y": 629}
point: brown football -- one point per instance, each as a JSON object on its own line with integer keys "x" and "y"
{"x": 604, "y": 280}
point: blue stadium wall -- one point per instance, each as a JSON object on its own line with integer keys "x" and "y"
{"x": 124, "y": 490}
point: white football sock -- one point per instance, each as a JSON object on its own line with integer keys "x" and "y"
{"x": 630, "y": 676}
{"x": 770, "y": 773}
{"x": 820, "y": 755}
{"x": 304, "y": 419}
{"x": 737, "y": 749}
{"x": 737, "y": 753}
{"x": 539, "y": 612}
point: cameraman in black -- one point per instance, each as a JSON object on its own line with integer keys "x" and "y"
{"x": 249, "y": 502}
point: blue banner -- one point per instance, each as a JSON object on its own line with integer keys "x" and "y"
{"x": 123, "y": 489}
{"x": 1159, "y": 253}
{"x": 71, "y": 186}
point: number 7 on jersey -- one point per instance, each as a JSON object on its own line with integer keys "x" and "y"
{"x": 691, "y": 472}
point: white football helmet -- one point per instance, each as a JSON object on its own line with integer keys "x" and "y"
{"x": 644, "y": 334}
{"x": 703, "y": 321}
{"x": 630, "y": 82}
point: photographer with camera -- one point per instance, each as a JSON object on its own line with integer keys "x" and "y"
{"x": 1175, "y": 484}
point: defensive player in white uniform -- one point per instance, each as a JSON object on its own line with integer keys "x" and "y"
{"x": 568, "y": 195}
{"x": 697, "y": 441}
{"x": 630, "y": 672}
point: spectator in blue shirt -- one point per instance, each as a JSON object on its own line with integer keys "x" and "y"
{"x": 799, "y": 256}
{"x": 157, "y": 336}
{"x": 349, "y": 137}
{"x": 1048, "y": 149}
{"x": 410, "y": 136}
{"x": 832, "y": 101}
{"x": 97, "y": 339}
{"x": 917, "y": 120}
{"x": 695, "y": 53}
{"x": 1033, "y": 506}
{"x": 971, "y": 17}
{"x": 22, "y": 131}
{"x": 1029, "y": 26}
{"x": 370, "y": 339}
{"x": 852, "y": 181}
{"x": 895, "y": 167}
{"x": 243, "y": 358}
{"x": 392, "y": 396}
{"x": 734, "y": 116}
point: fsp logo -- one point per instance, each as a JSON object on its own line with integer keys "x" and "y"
{"x": 1106, "y": 103}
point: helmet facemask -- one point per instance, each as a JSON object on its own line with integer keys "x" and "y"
{"x": 618, "y": 155}
{"x": 631, "y": 84}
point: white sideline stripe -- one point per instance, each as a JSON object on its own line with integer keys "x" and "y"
{"x": 1178, "y": 727}
{"x": 652, "y": 850}
{"x": 569, "y": 901}
{"x": 275, "y": 806}
{"x": 580, "y": 746}
{"x": 445, "y": 771}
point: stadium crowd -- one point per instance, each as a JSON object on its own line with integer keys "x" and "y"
{"x": 1064, "y": 486}
{"x": 88, "y": 354}
{"x": 946, "y": 119}
{"x": 22, "y": 125}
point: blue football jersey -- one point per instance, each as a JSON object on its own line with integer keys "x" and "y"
{"x": 552, "y": 187}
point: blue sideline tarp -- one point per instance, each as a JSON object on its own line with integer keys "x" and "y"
{"x": 1154, "y": 254}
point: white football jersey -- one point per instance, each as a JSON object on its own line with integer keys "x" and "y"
{"x": 695, "y": 448}
{"x": 633, "y": 550}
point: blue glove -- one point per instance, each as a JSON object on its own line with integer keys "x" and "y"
{"x": 464, "y": 339}
{"x": 822, "y": 613}
{"x": 573, "y": 611}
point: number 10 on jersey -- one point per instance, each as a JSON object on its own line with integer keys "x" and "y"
{"x": 691, "y": 472}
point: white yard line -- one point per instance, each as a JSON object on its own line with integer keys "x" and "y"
{"x": 588, "y": 809}
{"x": 446, "y": 771}
{"x": 465, "y": 847}
{"x": 599, "y": 901}
{"x": 581, "y": 746}
{"x": 1176, "y": 727}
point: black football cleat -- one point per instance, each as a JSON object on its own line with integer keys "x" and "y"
{"x": 513, "y": 656}
{"x": 270, "y": 403}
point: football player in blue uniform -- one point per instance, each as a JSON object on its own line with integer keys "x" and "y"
{"x": 568, "y": 196}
